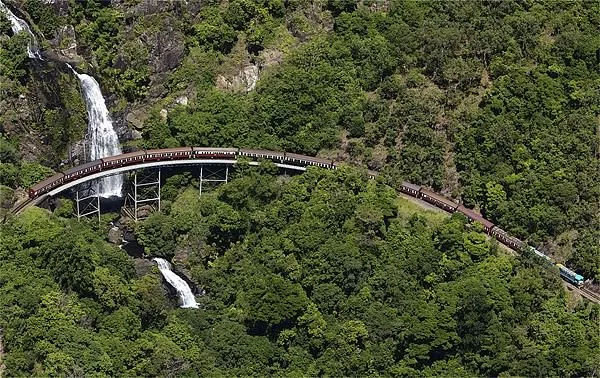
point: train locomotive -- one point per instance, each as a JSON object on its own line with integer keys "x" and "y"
{"x": 191, "y": 153}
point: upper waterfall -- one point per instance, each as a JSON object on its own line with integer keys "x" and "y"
{"x": 183, "y": 289}
{"x": 103, "y": 138}
{"x": 18, "y": 25}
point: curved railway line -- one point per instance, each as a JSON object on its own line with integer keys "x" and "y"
{"x": 183, "y": 156}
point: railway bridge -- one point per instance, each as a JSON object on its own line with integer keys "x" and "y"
{"x": 155, "y": 160}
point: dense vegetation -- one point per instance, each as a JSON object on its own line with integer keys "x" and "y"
{"x": 495, "y": 104}
{"x": 320, "y": 274}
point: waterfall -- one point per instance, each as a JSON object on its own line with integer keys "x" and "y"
{"x": 183, "y": 289}
{"x": 18, "y": 25}
{"x": 103, "y": 138}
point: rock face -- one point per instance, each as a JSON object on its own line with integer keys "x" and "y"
{"x": 245, "y": 80}
{"x": 67, "y": 42}
{"x": 142, "y": 266}
{"x": 168, "y": 49}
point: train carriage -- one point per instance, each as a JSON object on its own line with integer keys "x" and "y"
{"x": 410, "y": 189}
{"x": 504, "y": 238}
{"x": 476, "y": 217}
{"x": 214, "y": 153}
{"x": 570, "y": 275}
{"x": 83, "y": 170}
{"x": 169, "y": 153}
{"x": 541, "y": 255}
{"x": 308, "y": 160}
{"x": 438, "y": 200}
{"x": 123, "y": 159}
{"x": 46, "y": 185}
{"x": 262, "y": 154}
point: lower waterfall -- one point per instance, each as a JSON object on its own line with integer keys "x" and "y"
{"x": 183, "y": 289}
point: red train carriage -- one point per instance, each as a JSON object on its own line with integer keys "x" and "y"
{"x": 169, "y": 154}
{"x": 504, "y": 238}
{"x": 476, "y": 217}
{"x": 83, "y": 170}
{"x": 124, "y": 159}
{"x": 308, "y": 160}
{"x": 46, "y": 185}
{"x": 438, "y": 200}
{"x": 262, "y": 154}
{"x": 410, "y": 189}
{"x": 214, "y": 153}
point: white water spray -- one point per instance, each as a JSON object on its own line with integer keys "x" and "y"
{"x": 183, "y": 289}
{"x": 18, "y": 25}
{"x": 103, "y": 138}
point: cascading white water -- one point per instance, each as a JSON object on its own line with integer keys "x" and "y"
{"x": 18, "y": 25}
{"x": 103, "y": 138}
{"x": 183, "y": 289}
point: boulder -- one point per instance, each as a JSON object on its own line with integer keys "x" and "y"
{"x": 135, "y": 135}
{"x": 270, "y": 57}
{"x": 181, "y": 100}
{"x": 136, "y": 119}
{"x": 67, "y": 42}
{"x": 115, "y": 235}
{"x": 163, "y": 114}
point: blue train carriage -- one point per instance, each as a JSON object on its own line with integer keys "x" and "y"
{"x": 540, "y": 254}
{"x": 570, "y": 276}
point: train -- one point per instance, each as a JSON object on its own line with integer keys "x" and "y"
{"x": 490, "y": 228}
{"x": 191, "y": 153}
{"x": 177, "y": 153}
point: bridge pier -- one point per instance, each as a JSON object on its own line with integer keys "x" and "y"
{"x": 213, "y": 175}
{"x": 146, "y": 194}
{"x": 87, "y": 198}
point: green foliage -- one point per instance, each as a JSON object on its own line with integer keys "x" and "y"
{"x": 5, "y": 25}
{"x": 157, "y": 236}
{"x": 44, "y": 17}
{"x": 213, "y": 32}
{"x": 9, "y": 174}
{"x": 13, "y": 56}
{"x": 32, "y": 173}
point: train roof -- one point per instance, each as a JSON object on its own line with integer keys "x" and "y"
{"x": 308, "y": 158}
{"x": 475, "y": 216}
{"x": 123, "y": 156}
{"x": 47, "y": 181}
{"x": 217, "y": 149}
{"x": 438, "y": 197}
{"x": 168, "y": 150}
{"x": 411, "y": 186}
{"x": 81, "y": 166}
{"x": 262, "y": 152}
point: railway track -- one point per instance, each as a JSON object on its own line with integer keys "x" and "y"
{"x": 584, "y": 292}
{"x": 21, "y": 206}
{"x": 591, "y": 295}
